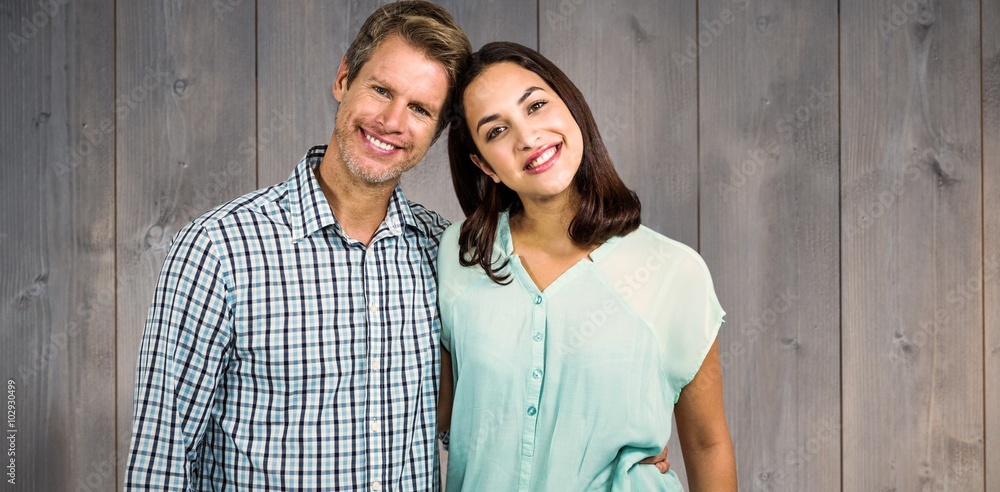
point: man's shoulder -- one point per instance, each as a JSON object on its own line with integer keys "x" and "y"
{"x": 240, "y": 210}
{"x": 428, "y": 222}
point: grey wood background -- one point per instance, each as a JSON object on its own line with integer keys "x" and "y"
{"x": 836, "y": 163}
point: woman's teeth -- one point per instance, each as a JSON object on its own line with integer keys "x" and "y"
{"x": 542, "y": 158}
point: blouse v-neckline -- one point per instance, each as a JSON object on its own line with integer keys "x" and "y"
{"x": 506, "y": 243}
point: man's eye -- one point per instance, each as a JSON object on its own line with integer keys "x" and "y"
{"x": 535, "y": 106}
{"x": 494, "y": 132}
{"x": 381, "y": 91}
{"x": 421, "y": 111}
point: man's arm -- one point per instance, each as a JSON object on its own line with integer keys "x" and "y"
{"x": 184, "y": 348}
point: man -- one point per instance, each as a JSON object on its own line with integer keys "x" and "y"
{"x": 292, "y": 342}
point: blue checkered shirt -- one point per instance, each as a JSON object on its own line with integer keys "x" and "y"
{"x": 279, "y": 354}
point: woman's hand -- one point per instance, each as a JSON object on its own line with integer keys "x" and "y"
{"x": 660, "y": 460}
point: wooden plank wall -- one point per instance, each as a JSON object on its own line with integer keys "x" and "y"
{"x": 836, "y": 163}
{"x": 912, "y": 246}
{"x": 769, "y": 231}
{"x": 991, "y": 235}
{"x": 57, "y": 238}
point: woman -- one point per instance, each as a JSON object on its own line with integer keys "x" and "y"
{"x": 569, "y": 330}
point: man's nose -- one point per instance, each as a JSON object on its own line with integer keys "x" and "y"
{"x": 393, "y": 117}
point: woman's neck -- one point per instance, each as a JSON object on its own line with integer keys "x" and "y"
{"x": 545, "y": 224}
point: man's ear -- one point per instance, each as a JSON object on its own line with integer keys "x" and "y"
{"x": 340, "y": 83}
{"x": 485, "y": 167}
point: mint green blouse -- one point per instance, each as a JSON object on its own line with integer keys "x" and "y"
{"x": 567, "y": 389}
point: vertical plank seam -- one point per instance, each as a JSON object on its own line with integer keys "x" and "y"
{"x": 840, "y": 237}
{"x": 538, "y": 25}
{"x": 114, "y": 236}
{"x": 697, "y": 136}
{"x": 982, "y": 236}
{"x": 256, "y": 95}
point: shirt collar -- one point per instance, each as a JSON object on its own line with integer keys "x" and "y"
{"x": 504, "y": 244}
{"x": 311, "y": 211}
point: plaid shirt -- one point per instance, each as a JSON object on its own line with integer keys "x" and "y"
{"x": 280, "y": 354}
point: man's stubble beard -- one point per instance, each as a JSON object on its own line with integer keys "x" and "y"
{"x": 375, "y": 175}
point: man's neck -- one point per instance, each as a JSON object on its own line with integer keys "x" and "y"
{"x": 359, "y": 206}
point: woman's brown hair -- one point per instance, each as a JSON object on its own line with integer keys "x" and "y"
{"x": 608, "y": 208}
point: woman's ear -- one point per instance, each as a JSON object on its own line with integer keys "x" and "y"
{"x": 481, "y": 164}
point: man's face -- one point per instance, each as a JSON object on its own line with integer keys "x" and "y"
{"x": 388, "y": 115}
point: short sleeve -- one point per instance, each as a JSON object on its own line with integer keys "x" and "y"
{"x": 449, "y": 273}
{"x": 690, "y": 316}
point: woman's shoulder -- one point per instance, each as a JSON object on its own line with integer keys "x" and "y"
{"x": 647, "y": 246}
{"x": 450, "y": 234}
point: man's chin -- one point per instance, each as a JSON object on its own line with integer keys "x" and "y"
{"x": 376, "y": 176}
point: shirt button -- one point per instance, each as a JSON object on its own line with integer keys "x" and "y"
{"x": 374, "y": 364}
{"x": 538, "y": 299}
{"x": 372, "y": 306}
{"x": 376, "y": 485}
{"x": 376, "y": 427}
{"x": 537, "y": 374}
{"x": 532, "y": 411}
{"x": 537, "y": 336}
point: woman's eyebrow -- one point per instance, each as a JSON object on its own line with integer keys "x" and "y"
{"x": 489, "y": 118}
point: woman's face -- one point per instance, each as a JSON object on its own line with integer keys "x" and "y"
{"x": 525, "y": 133}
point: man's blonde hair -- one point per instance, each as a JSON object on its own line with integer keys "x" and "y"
{"x": 426, "y": 26}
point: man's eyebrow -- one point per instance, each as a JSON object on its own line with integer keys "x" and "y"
{"x": 377, "y": 81}
{"x": 492, "y": 117}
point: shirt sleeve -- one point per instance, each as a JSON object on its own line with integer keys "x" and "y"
{"x": 449, "y": 281}
{"x": 691, "y": 317}
{"x": 184, "y": 348}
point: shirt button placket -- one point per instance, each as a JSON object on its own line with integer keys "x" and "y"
{"x": 374, "y": 338}
{"x": 532, "y": 407}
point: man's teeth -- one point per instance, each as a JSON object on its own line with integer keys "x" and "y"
{"x": 378, "y": 143}
{"x": 542, "y": 158}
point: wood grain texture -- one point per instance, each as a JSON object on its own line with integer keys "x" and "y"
{"x": 185, "y": 78}
{"x": 299, "y": 47}
{"x": 769, "y": 160}
{"x": 56, "y": 237}
{"x": 620, "y": 55}
{"x": 912, "y": 246}
{"x": 991, "y": 236}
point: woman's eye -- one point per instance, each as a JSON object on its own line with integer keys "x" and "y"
{"x": 494, "y": 132}
{"x": 535, "y": 106}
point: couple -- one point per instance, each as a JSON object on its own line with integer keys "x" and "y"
{"x": 293, "y": 340}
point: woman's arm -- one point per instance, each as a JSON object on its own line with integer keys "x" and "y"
{"x": 702, "y": 429}
{"x": 446, "y": 390}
